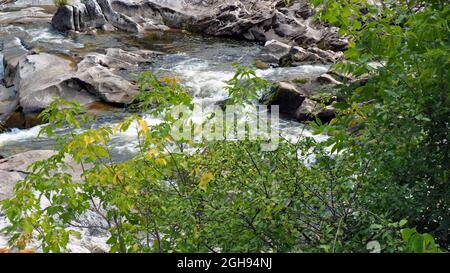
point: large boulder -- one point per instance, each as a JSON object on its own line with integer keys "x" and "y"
{"x": 288, "y": 96}
{"x": 42, "y": 77}
{"x": 273, "y": 52}
{"x": 305, "y": 99}
{"x": 100, "y": 81}
{"x": 63, "y": 19}
{"x": 91, "y": 14}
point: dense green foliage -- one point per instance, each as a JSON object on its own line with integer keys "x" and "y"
{"x": 385, "y": 166}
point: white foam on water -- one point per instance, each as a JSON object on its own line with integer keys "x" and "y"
{"x": 17, "y": 135}
{"x": 48, "y": 36}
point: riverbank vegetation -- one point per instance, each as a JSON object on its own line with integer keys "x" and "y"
{"x": 380, "y": 182}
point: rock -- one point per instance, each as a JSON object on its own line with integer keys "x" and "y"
{"x": 39, "y": 78}
{"x": 93, "y": 17}
{"x": 327, "y": 113}
{"x": 15, "y": 168}
{"x": 152, "y": 15}
{"x": 116, "y": 58}
{"x": 327, "y": 79}
{"x": 42, "y": 77}
{"x": 8, "y": 104}
{"x": 273, "y": 52}
{"x": 116, "y": 19}
{"x": 305, "y": 99}
{"x": 21, "y": 120}
{"x": 63, "y": 19}
{"x": 312, "y": 55}
{"x": 287, "y": 96}
{"x": 8, "y": 181}
{"x": 276, "y": 53}
{"x": 20, "y": 162}
{"x": 23, "y": 16}
{"x": 91, "y": 14}
{"x": 103, "y": 83}
{"x": 311, "y": 109}
{"x": 306, "y": 110}
{"x": 257, "y": 20}
{"x": 12, "y": 51}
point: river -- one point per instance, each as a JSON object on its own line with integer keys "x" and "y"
{"x": 202, "y": 63}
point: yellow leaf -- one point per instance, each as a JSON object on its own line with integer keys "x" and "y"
{"x": 205, "y": 179}
{"x": 152, "y": 152}
{"x": 143, "y": 125}
{"x": 118, "y": 128}
{"x": 161, "y": 161}
{"x": 87, "y": 139}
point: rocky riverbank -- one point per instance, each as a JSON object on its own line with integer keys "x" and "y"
{"x": 31, "y": 79}
{"x": 254, "y": 20}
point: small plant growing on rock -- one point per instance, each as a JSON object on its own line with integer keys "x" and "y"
{"x": 60, "y": 3}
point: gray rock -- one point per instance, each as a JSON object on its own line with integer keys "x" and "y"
{"x": 258, "y": 20}
{"x": 42, "y": 77}
{"x": 103, "y": 83}
{"x": 12, "y": 51}
{"x": 21, "y": 162}
{"x": 276, "y": 53}
{"x": 287, "y": 96}
{"x": 8, "y": 104}
{"x": 306, "y": 110}
{"x": 116, "y": 19}
{"x": 15, "y": 168}
{"x": 314, "y": 55}
{"x": 39, "y": 78}
{"x": 63, "y": 19}
{"x": 93, "y": 16}
{"x": 305, "y": 99}
{"x": 273, "y": 52}
{"x": 8, "y": 181}
{"x": 24, "y": 16}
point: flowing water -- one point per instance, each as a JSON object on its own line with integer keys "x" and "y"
{"x": 203, "y": 63}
